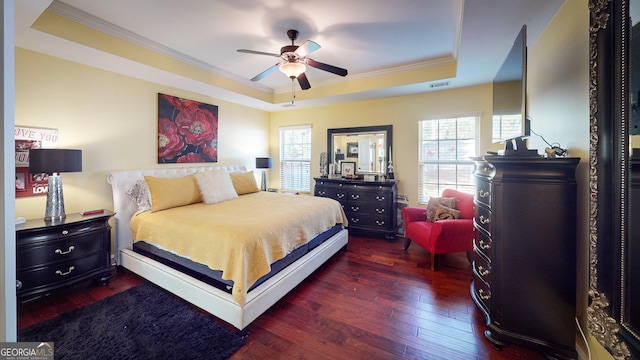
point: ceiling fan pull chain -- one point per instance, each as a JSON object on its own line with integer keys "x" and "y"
{"x": 293, "y": 91}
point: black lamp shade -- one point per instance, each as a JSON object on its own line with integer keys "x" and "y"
{"x": 263, "y": 163}
{"x": 51, "y": 161}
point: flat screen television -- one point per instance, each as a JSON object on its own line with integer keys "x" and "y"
{"x": 509, "y": 93}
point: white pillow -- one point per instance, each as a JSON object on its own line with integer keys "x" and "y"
{"x": 215, "y": 186}
{"x": 139, "y": 193}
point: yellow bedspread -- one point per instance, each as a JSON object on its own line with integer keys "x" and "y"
{"x": 241, "y": 237}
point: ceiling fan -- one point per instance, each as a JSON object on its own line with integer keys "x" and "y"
{"x": 294, "y": 60}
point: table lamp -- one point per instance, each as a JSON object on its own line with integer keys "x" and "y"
{"x": 54, "y": 162}
{"x": 263, "y": 163}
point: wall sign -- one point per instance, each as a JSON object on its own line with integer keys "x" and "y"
{"x": 31, "y": 138}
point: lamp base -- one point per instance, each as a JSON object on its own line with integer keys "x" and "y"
{"x": 263, "y": 186}
{"x": 55, "y": 200}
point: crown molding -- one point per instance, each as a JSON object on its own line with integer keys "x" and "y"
{"x": 86, "y": 19}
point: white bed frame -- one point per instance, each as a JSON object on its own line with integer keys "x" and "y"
{"x": 203, "y": 295}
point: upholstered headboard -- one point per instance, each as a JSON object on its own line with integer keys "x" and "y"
{"x": 124, "y": 207}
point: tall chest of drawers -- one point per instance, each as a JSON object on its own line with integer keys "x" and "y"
{"x": 370, "y": 206}
{"x": 524, "y": 267}
{"x": 53, "y": 255}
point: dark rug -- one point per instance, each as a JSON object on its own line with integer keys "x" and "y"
{"x": 144, "y": 322}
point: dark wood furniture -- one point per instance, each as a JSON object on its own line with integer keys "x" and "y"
{"x": 524, "y": 267}
{"x": 53, "y": 255}
{"x": 613, "y": 251}
{"x": 370, "y": 206}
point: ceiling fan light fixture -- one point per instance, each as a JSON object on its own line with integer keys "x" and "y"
{"x": 292, "y": 69}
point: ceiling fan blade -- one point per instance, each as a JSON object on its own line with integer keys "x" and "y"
{"x": 265, "y": 73}
{"x": 307, "y": 48}
{"x": 257, "y": 52}
{"x": 326, "y": 67}
{"x": 304, "y": 82}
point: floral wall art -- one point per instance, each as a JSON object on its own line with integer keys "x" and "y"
{"x": 187, "y": 131}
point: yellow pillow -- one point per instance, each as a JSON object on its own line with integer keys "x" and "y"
{"x": 167, "y": 193}
{"x": 244, "y": 183}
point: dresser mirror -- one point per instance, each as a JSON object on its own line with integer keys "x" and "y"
{"x": 613, "y": 313}
{"x": 369, "y": 147}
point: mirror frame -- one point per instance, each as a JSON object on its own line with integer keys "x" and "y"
{"x": 609, "y": 34}
{"x": 361, "y": 130}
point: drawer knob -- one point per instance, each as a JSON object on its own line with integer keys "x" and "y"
{"x": 321, "y": 193}
{"x": 380, "y": 198}
{"x": 355, "y": 220}
{"x": 380, "y": 223}
{"x": 65, "y": 232}
{"x": 380, "y": 211}
{"x": 482, "y": 271}
{"x": 484, "y": 296}
{"x": 18, "y": 284}
{"x": 355, "y": 208}
{"x": 355, "y": 196}
{"x": 484, "y": 220}
{"x": 58, "y": 251}
{"x": 340, "y": 196}
{"x": 484, "y": 194}
{"x": 71, "y": 268}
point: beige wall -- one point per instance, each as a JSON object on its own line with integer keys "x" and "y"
{"x": 403, "y": 113}
{"x": 558, "y": 102}
{"x": 113, "y": 119}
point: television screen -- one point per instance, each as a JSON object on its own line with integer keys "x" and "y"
{"x": 509, "y": 93}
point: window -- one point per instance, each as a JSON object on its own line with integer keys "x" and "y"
{"x": 445, "y": 150}
{"x": 506, "y": 127}
{"x": 295, "y": 158}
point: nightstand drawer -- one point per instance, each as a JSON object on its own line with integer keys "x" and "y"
{"x": 54, "y": 274}
{"x": 59, "y": 232}
{"x": 47, "y": 252}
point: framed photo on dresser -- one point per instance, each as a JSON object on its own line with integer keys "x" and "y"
{"x": 348, "y": 168}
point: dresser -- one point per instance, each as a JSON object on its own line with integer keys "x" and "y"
{"x": 370, "y": 206}
{"x": 524, "y": 265}
{"x": 53, "y": 255}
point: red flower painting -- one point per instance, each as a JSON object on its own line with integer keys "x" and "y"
{"x": 187, "y": 131}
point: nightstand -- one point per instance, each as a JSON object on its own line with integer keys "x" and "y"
{"x": 51, "y": 255}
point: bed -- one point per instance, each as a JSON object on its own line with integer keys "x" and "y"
{"x": 289, "y": 263}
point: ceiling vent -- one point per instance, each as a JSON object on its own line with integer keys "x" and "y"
{"x": 439, "y": 84}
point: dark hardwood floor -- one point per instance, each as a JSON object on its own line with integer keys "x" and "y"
{"x": 371, "y": 301}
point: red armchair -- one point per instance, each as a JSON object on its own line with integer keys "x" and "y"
{"x": 441, "y": 236}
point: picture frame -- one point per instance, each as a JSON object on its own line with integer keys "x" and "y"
{"x": 348, "y": 169}
{"x": 352, "y": 149}
{"x": 187, "y": 131}
{"x": 26, "y": 138}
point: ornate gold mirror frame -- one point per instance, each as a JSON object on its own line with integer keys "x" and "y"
{"x": 610, "y": 303}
